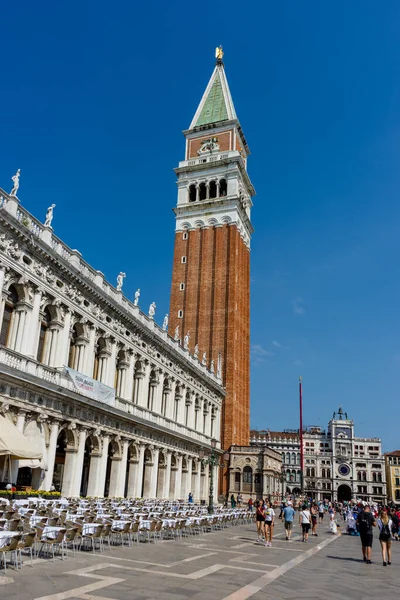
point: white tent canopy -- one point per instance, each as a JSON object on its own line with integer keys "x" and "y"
{"x": 14, "y": 444}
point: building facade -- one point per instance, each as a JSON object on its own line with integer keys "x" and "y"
{"x": 337, "y": 465}
{"x": 340, "y": 466}
{"x": 392, "y": 467}
{"x": 287, "y": 444}
{"x": 255, "y": 472}
{"x": 210, "y": 293}
{"x": 115, "y": 404}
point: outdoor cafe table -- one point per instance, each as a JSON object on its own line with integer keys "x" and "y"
{"x": 119, "y": 524}
{"x": 36, "y": 519}
{"x": 5, "y": 537}
{"x": 51, "y": 532}
{"x": 89, "y": 528}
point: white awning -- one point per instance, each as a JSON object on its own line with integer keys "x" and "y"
{"x": 34, "y": 433}
{"x": 14, "y": 444}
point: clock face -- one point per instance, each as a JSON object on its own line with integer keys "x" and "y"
{"x": 344, "y": 470}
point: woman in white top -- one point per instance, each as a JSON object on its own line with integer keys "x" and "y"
{"x": 305, "y": 521}
{"x": 269, "y": 523}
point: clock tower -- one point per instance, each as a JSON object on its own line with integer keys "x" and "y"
{"x": 210, "y": 294}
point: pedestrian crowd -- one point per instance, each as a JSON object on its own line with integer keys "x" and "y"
{"x": 358, "y": 517}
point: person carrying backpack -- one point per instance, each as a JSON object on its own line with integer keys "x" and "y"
{"x": 365, "y": 523}
{"x": 385, "y": 524}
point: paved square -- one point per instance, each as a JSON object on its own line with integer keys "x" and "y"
{"x": 222, "y": 565}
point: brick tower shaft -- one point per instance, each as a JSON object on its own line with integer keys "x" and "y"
{"x": 210, "y": 294}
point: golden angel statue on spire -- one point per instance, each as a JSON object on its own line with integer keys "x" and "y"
{"x": 219, "y": 53}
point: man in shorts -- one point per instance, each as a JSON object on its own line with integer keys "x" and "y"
{"x": 365, "y": 523}
{"x": 288, "y": 515}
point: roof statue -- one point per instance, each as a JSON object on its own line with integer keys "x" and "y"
{"x": 219, "y": 55}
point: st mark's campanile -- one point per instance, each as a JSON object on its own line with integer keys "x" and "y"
{"x": 210, "y": 295}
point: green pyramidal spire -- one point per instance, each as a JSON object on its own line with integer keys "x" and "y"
{"x": 216, "y": 104}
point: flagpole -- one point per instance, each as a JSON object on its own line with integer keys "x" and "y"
{"x": 301, "y": 436}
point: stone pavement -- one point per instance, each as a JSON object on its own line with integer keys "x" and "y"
{"x": 222, "y": 565}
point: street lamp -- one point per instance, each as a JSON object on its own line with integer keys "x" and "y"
{"x": 212, "y": 460}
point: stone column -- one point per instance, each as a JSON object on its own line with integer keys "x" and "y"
{"x": 143, "y": 391}
{"x": 2, "y": 300}
{"x": 120, "y": 492}
{"x": 178, "y": 479}
{"x": 103, "y": 467}
{"x": 139, "y": 472}
{"x": 128, "y": 390}
{"x": 95, "y": 460}
{"x": 189, "y": 478}
{"x": 132, "y": 478}
{"x": 61, "y": 358}
{"x": 115, "y": 467}
{"x": 69, "y": 472}
{"x": 76, "y": 488}
{"x": 167, "y": 479}
{"x": 197, "y": 490}
{"x": 51, "y": 457}
{"x": 111, "y": 365}
{"x": 154, "y": 474}
{"x": 87, "y": 369}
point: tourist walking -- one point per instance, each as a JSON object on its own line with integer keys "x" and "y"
{"x": 385, "y": 525}
{"x": 269, "y": 523}
{"x": 395, "y": 524}
{"x": 305, "y": 522}
{"x": 314, "y": 519}
{"x": 321, "y": 511}
{"x": 250, "y": 504}
{"x": 260, "y": 520}
{"x": 365, "y": 523}
{"x": 288, "y": 515}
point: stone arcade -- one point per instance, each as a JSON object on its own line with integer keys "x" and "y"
{"x": 116, "y": 405}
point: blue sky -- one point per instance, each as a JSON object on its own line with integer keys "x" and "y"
{"x": 94, "y": 98}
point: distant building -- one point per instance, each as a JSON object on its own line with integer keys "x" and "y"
{"x": 392, "y": 464}
{"x": 254, "y": 471}
{"x": 337, "y": 465}
{"x": 287, "y": 443}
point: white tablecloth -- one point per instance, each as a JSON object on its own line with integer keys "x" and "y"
{"x": 89, "y": 528}
{"x": 51, "y": 532}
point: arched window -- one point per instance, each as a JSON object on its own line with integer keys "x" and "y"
{"x": 323, "y": 473}
{"x": 328, "y": 473}
{"x": 223, "y": 188}
{"x": 313, "y": 472}
{"x": 397, "y": 495}
{"x": 374, "y": 477}
{"x": 202, "y": 191}
{"x": 213, "y": 189}
{"x": 364, "y": 476}
{"x": 288, "y": 476}
{"x": 288, "y": 458}
{"x": 293, "y": 458}
{"x": 178, "y": 398}
{"x": 192, "y": 193}
{"x": 308, "y": 472}
{"x": 44, "y": 329}
{"x": 358, "y": 475}
{"x": 247, "y": 475}
{"x": 8, "y": 315}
